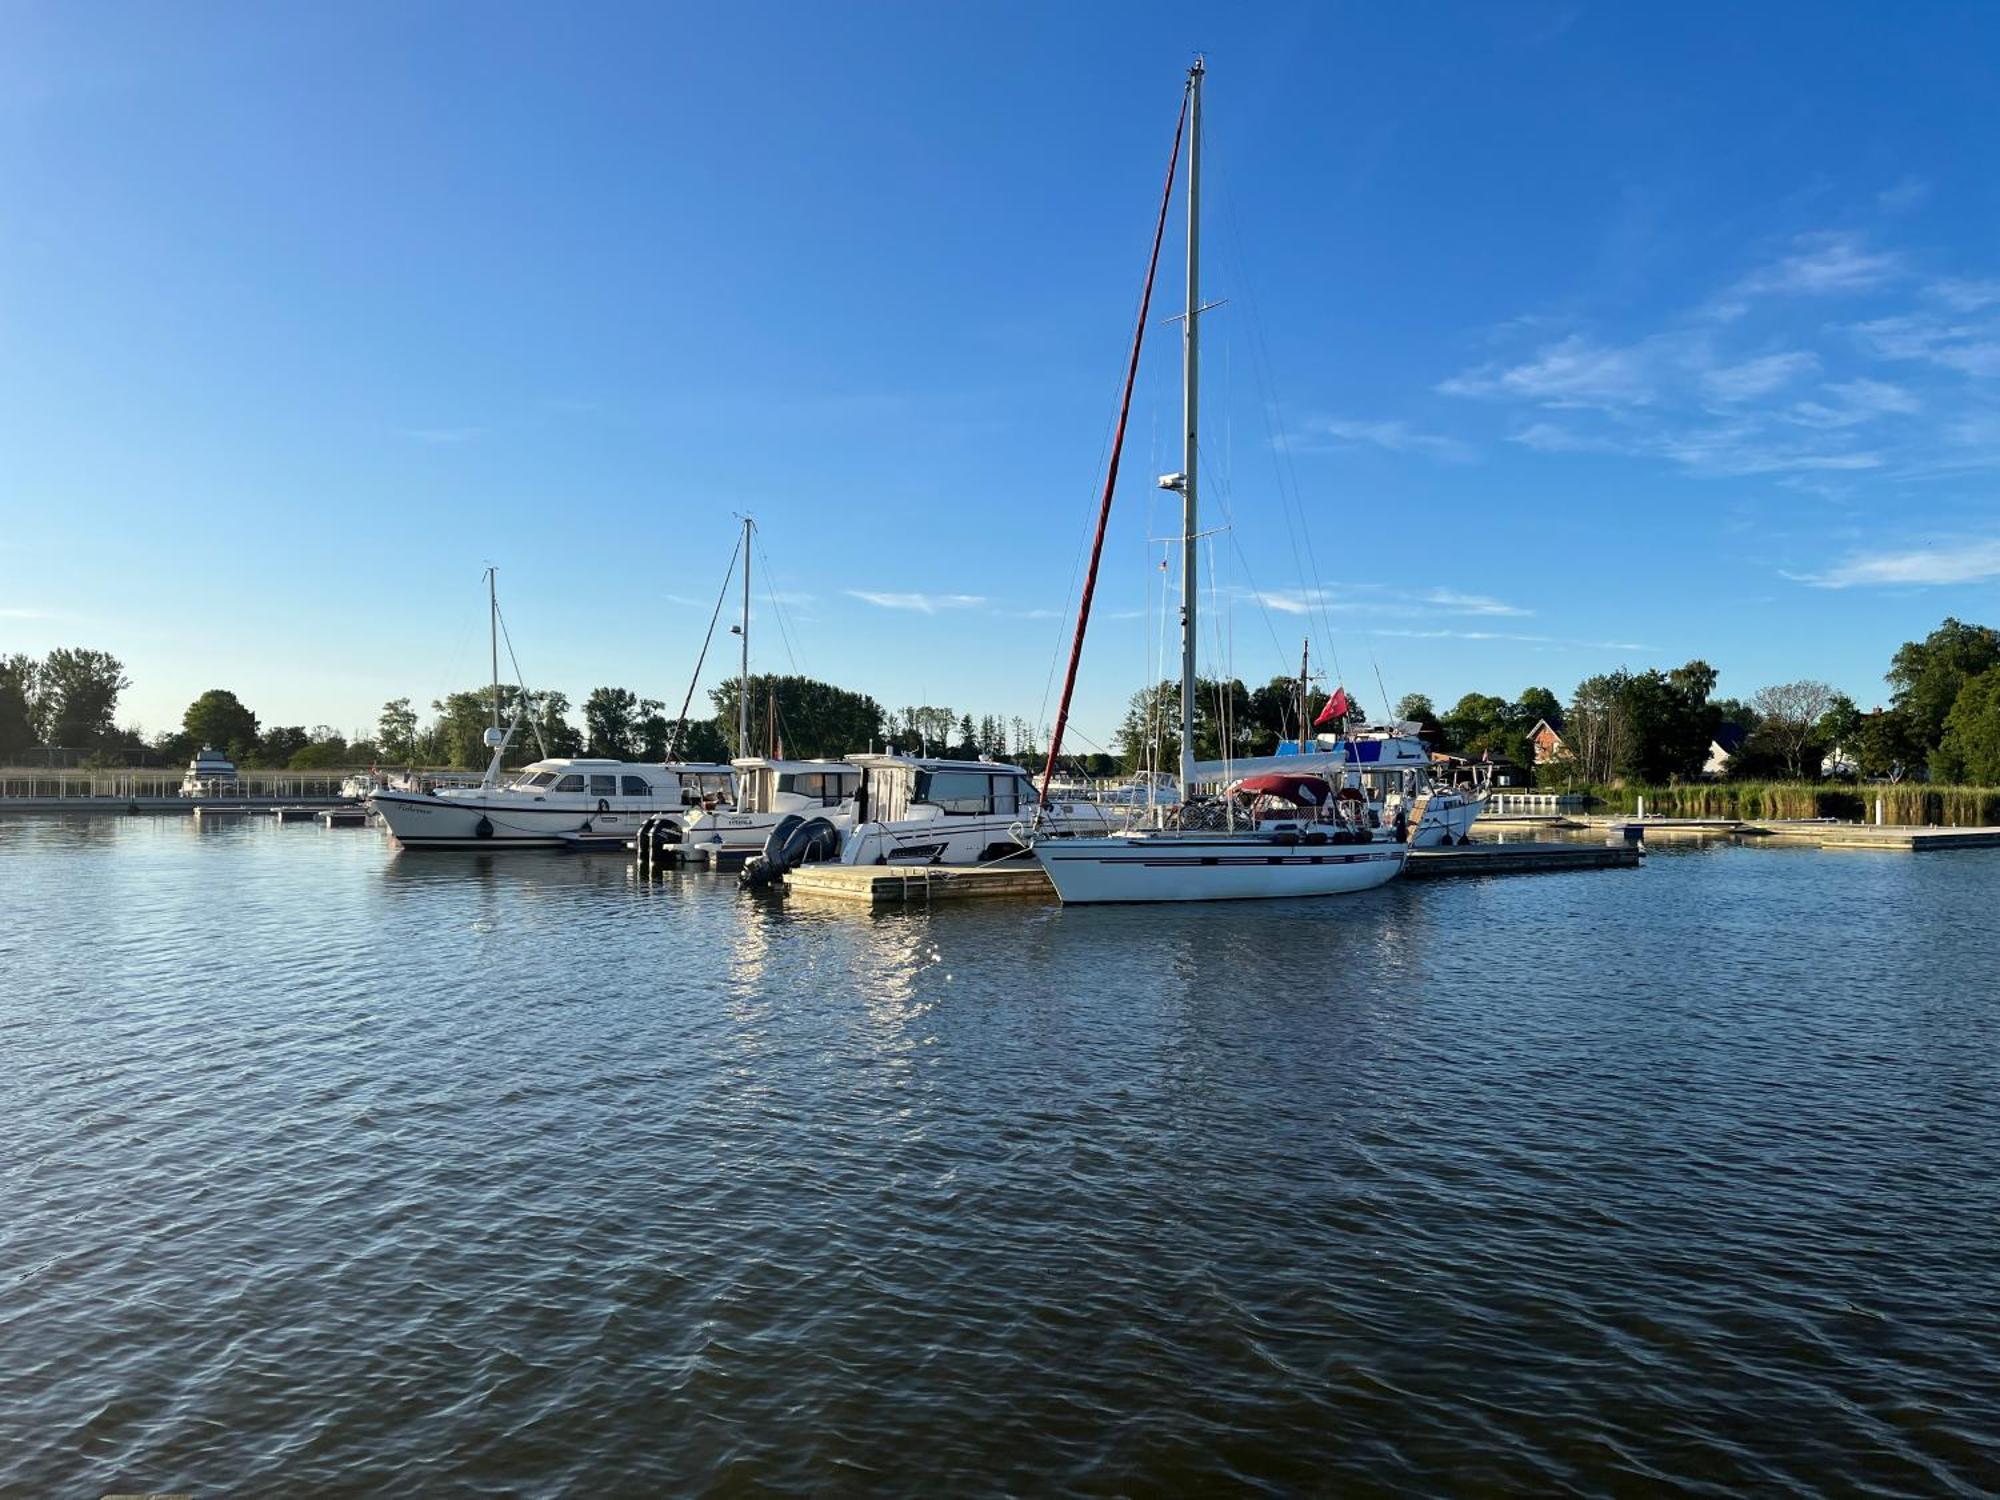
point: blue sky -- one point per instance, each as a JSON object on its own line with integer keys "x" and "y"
{"x": 1570, "y": 336}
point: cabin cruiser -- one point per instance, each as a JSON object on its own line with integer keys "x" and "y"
{"x": 768, "y": 792}
{"x": 210, "y": 774}
{"x": 1393, "y": 770}
{"x": 913, "y": 810}
{"x": 551, "y": 801}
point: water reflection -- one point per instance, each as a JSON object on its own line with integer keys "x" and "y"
{"x": 553, "y": 1180}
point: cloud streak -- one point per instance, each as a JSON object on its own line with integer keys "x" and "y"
{"x": 923, "y": 604}
{"x": 1391, "y": 436}
{"x": 1966, "y": 560}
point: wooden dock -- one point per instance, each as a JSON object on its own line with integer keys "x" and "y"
{"x": 906, "y": 884}
{"x": 918, "y": 884}
{"x": 1904, "y": 838}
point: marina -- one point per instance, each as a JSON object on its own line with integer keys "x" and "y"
{"x": 1258, "y": 773}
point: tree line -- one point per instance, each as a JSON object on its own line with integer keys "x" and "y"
{"x": 1652, "y": 726}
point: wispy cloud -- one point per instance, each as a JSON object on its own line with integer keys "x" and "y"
{"x": 1515, "y": 636}
{"x": 1472, "y": 604}
{"x": 1969, "y": 348}
{"x": 1394, "y": 436}
{"x": 1824, "y": 264}
{"x": 1758, "y": 377}
{"x": 30, "y": 614}
{"x": 923, "y": 604}
{"x": 1960, "y": 560}
{"x": 1966, "y": 295}
{"x": 1908, "y": 194}
{"x": 1381, "y": 601}
{"x": 1572, "y": 372}
{"x": 444, "y": 436}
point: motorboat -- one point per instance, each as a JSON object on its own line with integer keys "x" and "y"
{"x": 919, "y": 810}
{"x": 546, "y": 802}
{"x": 551, "y": 802}
{"x": 211, "y": 774}
{"x": 768, "y": 792}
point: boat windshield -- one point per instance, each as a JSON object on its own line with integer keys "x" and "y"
{"x": 535, "y": 779}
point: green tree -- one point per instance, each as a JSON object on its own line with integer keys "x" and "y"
{"x": 219, "y": 718}
{"x": 1970, "y": 749}
{"x": 76, "y": 695}
{"x": 280, "y": 743}
{"x": 18, "y": 674}
{"x": 702, "y": 743}
{"x": 610, "y": 716}
{"x": 1477, "y": 722}
{"x": 551, "y": 716}
{"x": 457, "y": 736}
{"x": 396, "y": 730}
{"x": 1926, "y": 675}
{"x": 1885, "y": 746}
{"x": 814, "y": 718}
{"x": 1536, "y": 705}
{"x": 1790, "y": 713}
{"x": 327, "y": 751}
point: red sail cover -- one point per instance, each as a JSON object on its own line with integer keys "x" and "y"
{"x": 1336, "y": 707}
{"x": 1304, "y": 791}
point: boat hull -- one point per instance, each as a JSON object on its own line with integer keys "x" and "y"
{"x": 1182, "y": 867}
{"x": 422, "y": 822}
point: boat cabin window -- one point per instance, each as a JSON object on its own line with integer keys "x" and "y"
{"x": 636, "y": 786}
{"x": 604, "y": 786}
{"x": 828, "y": 788}
{"x": 966, "y": 792}
{"x": 539, "y": 778}
{"x": 698, "y": 788}
{"x": 570, "y": 784}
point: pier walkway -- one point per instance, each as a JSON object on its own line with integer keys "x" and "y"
{"x": 903, "y": 884}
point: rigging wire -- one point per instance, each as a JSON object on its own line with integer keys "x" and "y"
{"x": 680, "y": 725}
{"x": 520, "y": 683}
{"x": 1291, "y": 497}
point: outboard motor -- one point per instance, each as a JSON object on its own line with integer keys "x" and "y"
{"x": 793, "y": 842}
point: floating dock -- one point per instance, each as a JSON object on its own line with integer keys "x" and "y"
{"x": 343, "y": 817}
{"x": 917, "y": 884}
{"x": 1876, "y": 836}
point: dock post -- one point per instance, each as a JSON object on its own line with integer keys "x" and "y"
{"x": 1642, "y": 807}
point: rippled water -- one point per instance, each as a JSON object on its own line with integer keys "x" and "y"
{"x": 332, "y": 1170}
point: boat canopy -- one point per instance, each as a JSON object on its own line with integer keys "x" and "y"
{"x": 1301, "y": 791}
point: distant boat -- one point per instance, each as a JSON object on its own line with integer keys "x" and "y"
{"x": 211, "y": 774}
{"x": 550, "y": 802}
{"x": 1271, "y": 835}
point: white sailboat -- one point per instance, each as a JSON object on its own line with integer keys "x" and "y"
{"x": 1297, "y": 839}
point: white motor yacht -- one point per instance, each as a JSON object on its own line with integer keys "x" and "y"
{"x": 210, "y": 774}
{"x": 549, "y": 802}
{"x": 913, "y": 810}
{"x": 768, "y": 792}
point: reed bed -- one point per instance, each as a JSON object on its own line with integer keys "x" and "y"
{"x": 1906, "y": 804}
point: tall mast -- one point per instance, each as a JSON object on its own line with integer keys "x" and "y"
{"x": 1190, "y": 384}
{"x": 743, "y": 676}
{"x": 1305, "y": 691}
{"x": 493, "y": 635}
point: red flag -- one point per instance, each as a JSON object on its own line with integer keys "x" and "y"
{"x": 1336, "y": 707}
